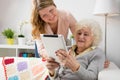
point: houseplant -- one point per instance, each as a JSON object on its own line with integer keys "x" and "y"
{"x": 9, "y": 34}
{"x": 21, "y": 36}
{"x": 21, "y": 28}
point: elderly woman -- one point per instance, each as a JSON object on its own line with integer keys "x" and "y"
{"x": 84, "y": 60}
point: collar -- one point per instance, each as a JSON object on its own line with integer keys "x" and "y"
{"x": 85, "y": 51}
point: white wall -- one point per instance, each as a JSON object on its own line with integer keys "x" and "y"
{"x": 12, "y": 12}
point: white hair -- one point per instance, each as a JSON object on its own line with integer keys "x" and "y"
{"x": 94, "y": 27}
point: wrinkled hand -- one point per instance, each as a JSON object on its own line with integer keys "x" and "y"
{"x": 106, "y": 63}
{"x": 67, "y": 59}
{"x": 51, "y": 65}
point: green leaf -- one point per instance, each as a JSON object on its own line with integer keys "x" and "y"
{"x": 8, "y": 33}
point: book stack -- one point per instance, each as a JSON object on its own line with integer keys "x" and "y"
{"x": 26, "y": 54}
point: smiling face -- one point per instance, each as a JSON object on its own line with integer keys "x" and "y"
{"x": 84, "y": 38}
{"x": 49, "y": 14}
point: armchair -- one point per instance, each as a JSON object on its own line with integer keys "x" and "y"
{"x": 110, "y": 73}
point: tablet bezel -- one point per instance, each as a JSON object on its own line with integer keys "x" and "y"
{"x": 53, "y": 43}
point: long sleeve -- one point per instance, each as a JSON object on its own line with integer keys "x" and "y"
{"x": 96, "y": 64}
{"x": 41, "y": 50}
{"x": 90, "y": 65}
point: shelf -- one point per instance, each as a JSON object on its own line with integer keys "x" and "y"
{"x": 14, "y": 50}
{"x": 17, "y": 46}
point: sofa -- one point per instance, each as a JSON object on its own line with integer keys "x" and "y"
{"x": 110, "y": 73}
{"x": 21, "y": 68}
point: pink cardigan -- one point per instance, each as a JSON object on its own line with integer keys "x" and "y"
{"x": 65, "y": 22}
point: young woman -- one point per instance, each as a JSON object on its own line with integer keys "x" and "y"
{"x": 47, "y": 19}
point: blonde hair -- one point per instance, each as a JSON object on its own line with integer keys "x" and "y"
{"x": 95, "y": 29}
{"x": 37, "y": 23}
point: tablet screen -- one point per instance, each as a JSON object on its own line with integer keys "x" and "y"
{"x": 52, "y": 43}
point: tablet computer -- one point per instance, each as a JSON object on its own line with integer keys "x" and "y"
{"x": 52, "y": 43}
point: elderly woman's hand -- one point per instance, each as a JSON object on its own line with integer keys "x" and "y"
{"x": 68, "y": 60}
{"x": 106, "y": 63}
{"x": 51, "y": 65}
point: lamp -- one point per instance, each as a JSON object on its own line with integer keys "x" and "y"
{"x": 106, "y": 8}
